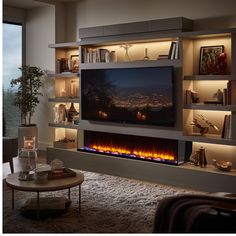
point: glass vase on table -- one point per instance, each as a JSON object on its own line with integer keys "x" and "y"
{"x": 27, "y": 161}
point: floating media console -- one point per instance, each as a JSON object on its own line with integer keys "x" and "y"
{"x": 160, "y": 150}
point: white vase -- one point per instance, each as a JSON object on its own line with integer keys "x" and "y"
{"x": 26, "y": 131}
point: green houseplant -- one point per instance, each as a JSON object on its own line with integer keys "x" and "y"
{"x": 27, "y": 99}
{"x": 27, "y": 95}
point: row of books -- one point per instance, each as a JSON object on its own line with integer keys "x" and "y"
{"x": 95, "y": 55}
{"x": 226, "y": 131}
{"x": 173, "y": 52}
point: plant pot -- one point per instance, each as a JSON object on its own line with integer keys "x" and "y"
{"x": 27, "y": 131}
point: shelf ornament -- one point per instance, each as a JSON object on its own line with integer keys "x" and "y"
{"x": 126, "y": 48}
{"x": 203, "y": 129}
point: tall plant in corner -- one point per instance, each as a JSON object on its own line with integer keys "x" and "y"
{"x": 27, "y": 95}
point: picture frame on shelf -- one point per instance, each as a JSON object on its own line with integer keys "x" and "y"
{"x": 210, "y": 60}
{"x": 74, "y": 63}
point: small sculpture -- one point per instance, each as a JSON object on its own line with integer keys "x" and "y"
{"x": 222, "y": 165}
{"x": 199, "y": 158}
{"x": 219, "y": 96}
{"x": 203, "y": 129}
{"x": 126, "y": 47}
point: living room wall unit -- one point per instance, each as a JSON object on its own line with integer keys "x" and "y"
{"x": 66, "y": 93}
{"x": 186, "y": 75}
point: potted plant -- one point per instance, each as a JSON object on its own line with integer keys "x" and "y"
{"x": 27, "y": 99}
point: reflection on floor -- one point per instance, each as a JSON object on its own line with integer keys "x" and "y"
{"x": 6, "y": 167}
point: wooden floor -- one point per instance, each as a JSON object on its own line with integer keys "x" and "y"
{"x": 6, "y": 167}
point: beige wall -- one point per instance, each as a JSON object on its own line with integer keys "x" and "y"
{"x": 40, "y": 32}
{"x": 87, "y": 13}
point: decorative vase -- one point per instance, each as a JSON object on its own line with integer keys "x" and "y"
{"x": 71, "y": 113}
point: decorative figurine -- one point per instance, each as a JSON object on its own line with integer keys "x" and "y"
{"x": 219, "y": 96}
{"x": 203, "y": 129}
{"x": 199, "y": 158}
{"x": 126, "y": 47}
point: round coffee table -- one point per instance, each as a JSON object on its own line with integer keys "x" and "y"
{"x": 51, "y": 185}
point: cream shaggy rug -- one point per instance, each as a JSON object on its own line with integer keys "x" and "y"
{"x": 109, "y": 205}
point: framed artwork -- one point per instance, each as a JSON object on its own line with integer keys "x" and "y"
{"x": 74, "y": 61}
{"x": 210, "y": 60}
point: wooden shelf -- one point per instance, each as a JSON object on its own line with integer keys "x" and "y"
{"x": 132, "y": 64}
{"x": 63, "y": 75}
{"x": 214, "y": 107}
{"x": 74, "y": 100}
{"x": 66, "y": 126}
{"x": 208, "y": 77}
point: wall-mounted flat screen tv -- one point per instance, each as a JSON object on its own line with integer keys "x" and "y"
{"x": 128, "y": 95}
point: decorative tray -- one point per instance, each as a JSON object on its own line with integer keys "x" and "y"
{"x": 63, "y": 173}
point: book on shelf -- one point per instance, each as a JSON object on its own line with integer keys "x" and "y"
{"x": 191, "y": 97}
{"x": 229, "y": 87}
{"x": 188, "y": 97}
{"x": 225, "y": 96}
{"x": 226, "y": 131}
{"x": 163, "y": 56}
{"x": 176, "y": 54}
{"x": 174, "y": 51}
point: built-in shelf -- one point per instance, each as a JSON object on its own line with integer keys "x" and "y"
{"x": 208, "y": 77}
{"x": 69, "y": 45}
{"x": 132, "y": 64}
{"x": 74, "y": 100}
{"x": 209, "y": 168}
{"x": 63, "y": 75}
{"x": 215, "y": 139}
{"x": 214, "y": 107}
{"x": 64, "y": 125}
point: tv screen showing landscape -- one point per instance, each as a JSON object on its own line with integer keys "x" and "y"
{"x": 128, "y": 95}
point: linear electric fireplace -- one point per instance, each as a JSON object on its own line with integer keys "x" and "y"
{"x": 160, "y": 150}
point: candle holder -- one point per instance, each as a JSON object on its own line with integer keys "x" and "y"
{"x": 29, "y": 142}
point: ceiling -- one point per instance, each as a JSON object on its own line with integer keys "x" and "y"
{"x": 28, "y": 4}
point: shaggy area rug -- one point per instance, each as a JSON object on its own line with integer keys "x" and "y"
{"x": 109, "y": 205}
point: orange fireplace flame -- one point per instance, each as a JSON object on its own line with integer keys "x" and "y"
{"x": 156, "y": 155}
